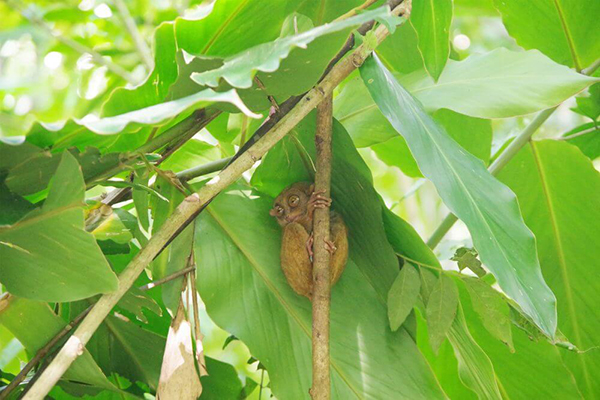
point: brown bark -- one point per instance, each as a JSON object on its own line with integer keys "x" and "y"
{"x": 321, "y": 389}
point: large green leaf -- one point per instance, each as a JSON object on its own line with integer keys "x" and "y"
{"x": 473, "y": 134}
{"x": 533, "y": 370}
{"x": 570, "y": 28}
{"x": 431, "y": 20}
{"x": 589, "y": 143}
{"x": 160, "y": 113}
{"x": 400, "y": 51}
{"x": 239, "y": 265}
{"x": 34, "y": 324}
{"x": 47, "y": 255}
{"x": 498, "y": 84}
{"x": 231, "y": 27}
{"x": 559, "y": 190}
{"x": 239, "y": 70}
{"x": 488, "y": 208}
{"x": 129, "y": 350}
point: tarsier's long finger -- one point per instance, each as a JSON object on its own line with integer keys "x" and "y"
{"x": 330, "y": 246}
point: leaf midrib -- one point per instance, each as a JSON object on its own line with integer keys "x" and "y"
{"x": 570, "y": 42}
{"x": 278, "y": 295}
{"x": 561, "y": 259}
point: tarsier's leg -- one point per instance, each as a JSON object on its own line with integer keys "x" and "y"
{"x": 338, "y": 247}
{"x": 295, "y": 262}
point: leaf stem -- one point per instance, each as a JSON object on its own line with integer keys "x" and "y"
{"x": 190, "y": 208}
{"x": 515, "y": 146}
{"x": 584, "y": 132}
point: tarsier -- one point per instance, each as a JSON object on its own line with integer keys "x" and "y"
{"x": 294, "y": 209}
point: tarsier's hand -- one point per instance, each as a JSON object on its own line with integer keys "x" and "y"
{"x": 317, "y": 200}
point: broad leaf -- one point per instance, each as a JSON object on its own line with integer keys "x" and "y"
{"x": 239, "y": 70}
{"x": 488, "y": 208}
{"x": 34, "y": 324}
{"x": 534, "y": 370}
{"x": 400, "y": 50}
{"x": 473, "y": 134}
{"x": 589, "y": 105}
{"x": 569, "y": 27}
{"x": 558, "y": 189}
{"x": 160, "y": 113}
{"x": 241, "y": 268}
{"x": 498, "y": 84}
{"x": 492, "y": 309}
{"x": 47, "y": 255}
{"x": 474, "y": 366}
{"x": 589, "y": 144}
{"x": 441, "y": 310}
{"x": 403, "y": 295}
{"x": 431, "y": 20}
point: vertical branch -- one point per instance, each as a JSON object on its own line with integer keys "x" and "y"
{"x": 321, "y": 297}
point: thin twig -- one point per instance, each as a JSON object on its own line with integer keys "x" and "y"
{"x": 355, "y": 10}
{"x": 78, "y": 47}
{"x": 262, "y": 87}
{"x": 321, "y": 296}
{"x": 139, "y": 42}
{"x": 167, "y": 278}
{"x": 515, "y": 146}
{"x": 584, "y": 132}
{"x": 192, "y": 205}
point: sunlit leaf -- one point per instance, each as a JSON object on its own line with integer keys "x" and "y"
{"x": 488, "y": 208}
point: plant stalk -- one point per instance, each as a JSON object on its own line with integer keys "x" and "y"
{"x": 139, "y": 42}
{"x": 195, "y": 202}
{"x": 321, "y": 294}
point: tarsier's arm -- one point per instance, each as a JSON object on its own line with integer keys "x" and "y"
{"x": 339, "y": 236}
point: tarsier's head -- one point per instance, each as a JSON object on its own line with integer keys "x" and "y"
{"x": 292, "y": 204}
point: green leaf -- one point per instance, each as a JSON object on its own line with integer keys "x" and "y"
{"x": 488, "y": 208}
{"x": 589, "y": 144}
{"x": 557, "y": 188}
{"x": 156, "y": 86}
{"x": 473, "y": 134}
{"x": 13, "y": 206}
{"x": 534, "y": 370}
{"x": 441, "y": 310}
{"x": 431, "y": 20}
{"x": 128, "y": 350}
{"x": 498, "y": 84}
{"x": 467, "y": 258}
{"x": 240, "y": 265}
{"x": 474, "y": 366}
{"x": 403, "y": 295}
{"x": 221, "y": 383}
{"x": 239, "y": 70}
{"x": 47, "y": 255}
{"x": 400, "y": 51}
{"x": 160, "y": 113}
{"x": 492, "y": 309}
{"x": 34, "y": 324}
{"x": 589, "y": 106}
{"x": 569, "y": 27}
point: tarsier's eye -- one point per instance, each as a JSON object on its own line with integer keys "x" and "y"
{"x": 293, "y": 200}
{"x": 279, "y": 210}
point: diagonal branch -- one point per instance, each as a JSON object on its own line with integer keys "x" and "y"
{"x": 196, "y": 202}
{"x": 140, "y": 44}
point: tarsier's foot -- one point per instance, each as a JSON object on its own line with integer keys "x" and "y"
{"x": 309, "y": 246}
{"x": 317, "y": 200}
{"x": 330, "y": 246}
